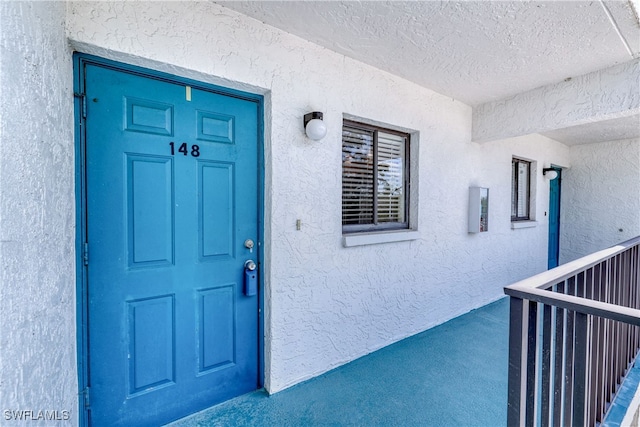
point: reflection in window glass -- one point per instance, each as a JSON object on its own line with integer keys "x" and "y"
{"x": 374, "y": 175}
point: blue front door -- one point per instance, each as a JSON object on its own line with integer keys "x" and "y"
{"x": 171, "y": 197}
{"x": 554, "y": 220}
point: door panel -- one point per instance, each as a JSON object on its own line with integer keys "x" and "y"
{"x": 172, "y": 191}
{"x": 554, "y": 220}
{"x": 216, "y": 324}
{"x": 150, "y": 215}
{"x": 216, "y": 209}
{"x": 151, "y": 356}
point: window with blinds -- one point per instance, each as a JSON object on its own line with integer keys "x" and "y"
{"x": 374, "y": 178}
{"x": 520, "y": 189}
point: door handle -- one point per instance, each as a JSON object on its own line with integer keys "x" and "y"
{"x": 250, "y": 278}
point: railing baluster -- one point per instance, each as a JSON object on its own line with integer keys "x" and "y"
{"x": 597, "y": 355}
{"x": 620, "y": 365}
{"x": 581, "y": 342}
{"x": 568, "y": 369}
{"x": 618, "y": 327}
{"x": 580, "y": 369}
{"x": 610, "y": 332}
{"x": 633, "y": 278}
{"x": 514, "y": 385}
{"x": 624, "y": 278}
{"x": 633, "y": 293}
{"x": 532, "y": 337}
{"x": 599, "y": 402}
{"x": 591, "y": 352}
{"x": 546, "y": 365}
{"x": 558, "y": 376}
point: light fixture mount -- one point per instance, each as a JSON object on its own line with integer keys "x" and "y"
{"x": 550, "y": 173}
{"x": 313, "y": 115}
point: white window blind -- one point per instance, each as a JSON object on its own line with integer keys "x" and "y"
{"x": 520, "y": 181}
{"x": 373, "y": 178}
{"x": 390, "y": 178}
{"x": 357, "y": 176}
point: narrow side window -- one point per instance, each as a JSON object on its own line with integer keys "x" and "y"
{"x": 520, "y": 189}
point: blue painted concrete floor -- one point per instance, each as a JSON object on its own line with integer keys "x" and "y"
{"x": 452, "y": 375}
{"x": 624, "y": 397}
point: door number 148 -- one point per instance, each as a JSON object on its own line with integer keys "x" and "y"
{"x": 184, "y": 149}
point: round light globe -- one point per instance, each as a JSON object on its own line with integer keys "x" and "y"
{"x": 316, "y": 129}
{"x": 551, "y": 175}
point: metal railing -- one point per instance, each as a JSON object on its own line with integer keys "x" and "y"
{"x": 574, "y": 331}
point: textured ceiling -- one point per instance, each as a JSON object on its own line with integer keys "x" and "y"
{"x": 607, "y": 130}
{"x": 473, "y": 51}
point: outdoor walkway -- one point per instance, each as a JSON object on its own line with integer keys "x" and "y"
{"x": 452, "y": 375}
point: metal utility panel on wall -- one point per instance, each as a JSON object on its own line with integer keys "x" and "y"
{"x": 478, "y": 209}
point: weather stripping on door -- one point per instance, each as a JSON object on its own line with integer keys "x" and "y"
{"x": 250, "y": 278}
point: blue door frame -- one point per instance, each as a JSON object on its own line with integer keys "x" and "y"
{"x": 554, "y": 220}
{"x": 81, "y": 61}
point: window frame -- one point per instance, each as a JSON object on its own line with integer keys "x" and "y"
{"x": 515, "y": 161}
{"x": 384, "y": 226}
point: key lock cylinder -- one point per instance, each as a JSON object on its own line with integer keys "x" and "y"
{"x": 250, "y": 272}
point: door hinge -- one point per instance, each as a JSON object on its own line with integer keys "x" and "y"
{"x": 87, "y": 402}
{"x": 85, "y": 253}
{"x": 83, "y": 103}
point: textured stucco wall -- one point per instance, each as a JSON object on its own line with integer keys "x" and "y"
{"x": 327, "y": 305}
{"x": 37, "y": 234}
{"x": 600, "y": 197}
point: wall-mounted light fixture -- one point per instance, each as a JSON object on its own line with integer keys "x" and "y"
{"x": 550, "y": 173}
{"x": 314, "y": 125}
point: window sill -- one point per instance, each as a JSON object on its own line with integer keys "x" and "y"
{"x": 515, "y": 225}
{"x": 374, "y": 238}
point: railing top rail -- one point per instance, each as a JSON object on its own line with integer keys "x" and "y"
{"x": 548, "y": 278}
{"x": 536, "y": 288}
{"x": 579, "y": 304}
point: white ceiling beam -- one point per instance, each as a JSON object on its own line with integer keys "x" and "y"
{"x": 602, "y": 95}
